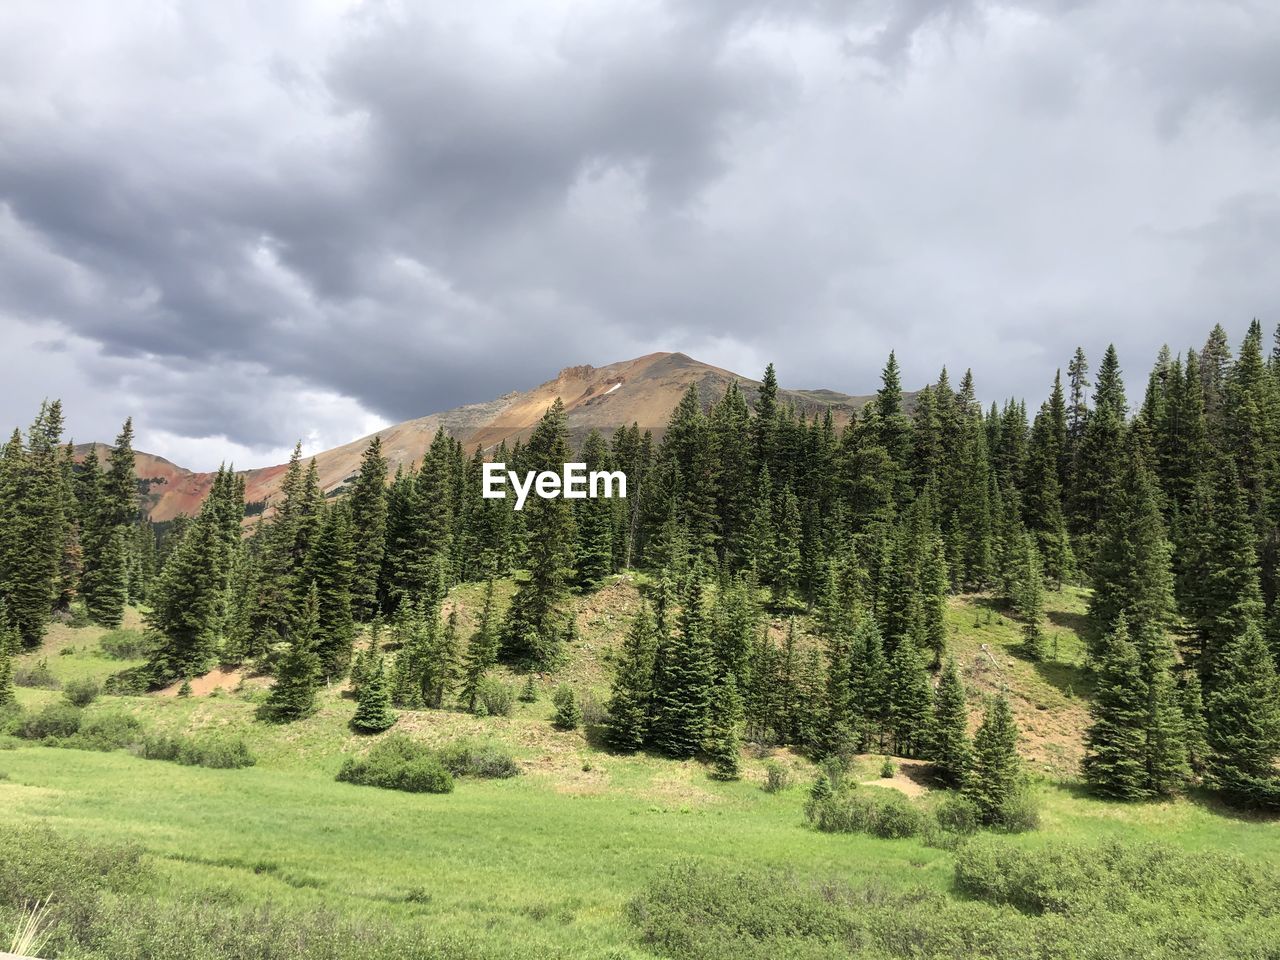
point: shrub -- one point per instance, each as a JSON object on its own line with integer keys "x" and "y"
{"x": 81, "y": 692}
{"x": 957, "y": 814}
{"x": 1018, "y": 814}
{"x": 124, "y": 644}
{"x": 112, "y": 730}
{"x": 886, "y": 769}
{"x": 57, "y": 721}
{"x": 35, "y": 674}
{"x": 496, "y": 698}
{"x": 881, "y": 813}
{"x": 217, "y": 752}
{"x": 397, "y": 763}
{"x": 466, "y": 758}
{"x": 776, "y": 777}
{"x": 11, "y": 715}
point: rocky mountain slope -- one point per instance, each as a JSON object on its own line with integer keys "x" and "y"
{"x": 644, "y": 391}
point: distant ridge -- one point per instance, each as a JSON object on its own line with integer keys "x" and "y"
{"x": 644, "y": 391}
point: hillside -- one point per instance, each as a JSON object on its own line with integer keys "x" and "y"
{"x": 643, "y": 391}
{"x": 546, "y": 863}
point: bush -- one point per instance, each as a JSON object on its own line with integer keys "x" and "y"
{"x": 887, "y": 769}
{"x": 957, "y": 814}
{"x": 469, "y": 759}
{"x": 1018, "y": 814}
{"x": 81, "y": 692}
{"x": 57, "y": 721}
{"x": 11, "y": 715}
{"x": 35, "y": 674}
{"x": 881, "y": 813}
{"x": 112, "y": 730}
{"x": 217, "y": 752}
{"x": 496, "y": 698}
{"x": 397, "y": 763}
{"x": 776, "y": 777}
{"x": 125, "y": 644}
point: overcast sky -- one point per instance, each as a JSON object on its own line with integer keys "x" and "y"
{"x": 249, "y": 222}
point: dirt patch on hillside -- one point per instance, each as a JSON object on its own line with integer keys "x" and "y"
{"x": 909, "y": 776}
{"x": 217, "y": 679}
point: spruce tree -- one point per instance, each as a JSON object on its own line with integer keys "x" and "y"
{"x": 869, "y": 685}
{"x": 629, "y": 706}
{"x": 298, "y": 677}
{"x": 331, "y": 567}
{"x": 683, "y": 678}
{"x": 910, "y": 702}
{"x": 951, "y": 749}
{"x": 995, "y": 775}
{"x": 369, "y": 521}
{"x": 1131, "y": 573}
{"x": 1115, "y": 745}
{"x": 593, "y": 561}
{"x": 1242, "y": 711}
{"x": 1218, "y": 578}
{"x": 1195, "y": 728}
{"x": 482, "y": 651}
{"x": 535, "y": 624}
{"x": 722, "y": 737}
{"x": 1030, "y": 601}
{"x": 568, "y": 715}
{"x": 9, "y": 642}
{"x": 441, "y": 673}
{"x": 1164, "y": 727}
{"x": 373, "y": 704}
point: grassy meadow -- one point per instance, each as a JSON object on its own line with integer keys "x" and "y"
{"x": 546, "y": 863}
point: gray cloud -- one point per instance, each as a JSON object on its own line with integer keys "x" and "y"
{"x": 246, "y": 227}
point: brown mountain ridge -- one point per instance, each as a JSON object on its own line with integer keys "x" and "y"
{"x": 643, "y": 391}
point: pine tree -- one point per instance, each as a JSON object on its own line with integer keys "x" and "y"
{"x": 995, "y": 775}
{"x": 869, "y": 685}
{"x": 1243, "y": 715}
{"x": 784, "y": 567}
{"x": 534, "y": 626}
{"x": 1115, "y": 745}
{"x": 1164, "y": 727}
{"x": 9, "y": 643}
{"x": 627, "y": 726}
{"x": 373, "y": 704}
{"x": 568, "y": 715}
{"x": 1132, "y": 573}
{"x": 107, "y": 541}
{"x": 1030, "y": 601}
{"x": 683, "y": 677}
{"x": 441, "y": 673}
{"x": 482, "y": 651}
{"x": 594, "y": 558}
{"x": 1218, "y": 587}
{"x": 1195, "y": 728}
{"x": 298, "y": 677}
{"x": 722, "y": 740}
{"x": 951, "y": 749}
{"x": 910, "y": 702}
{"x": 369, "y": 520}
{"x": 331, "y": 567}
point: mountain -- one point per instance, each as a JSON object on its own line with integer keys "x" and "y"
{"x": 644, "y": 391}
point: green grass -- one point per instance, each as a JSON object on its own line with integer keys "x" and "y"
{"x": 542, "y": 864}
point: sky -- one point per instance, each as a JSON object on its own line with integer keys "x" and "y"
{"x": 246, "y": 224}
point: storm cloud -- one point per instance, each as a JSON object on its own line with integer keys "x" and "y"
{"x": 249, "y": 223}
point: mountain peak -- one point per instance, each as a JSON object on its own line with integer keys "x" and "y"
{"x": 643, "y": 390}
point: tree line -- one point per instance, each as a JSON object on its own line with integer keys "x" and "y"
{"x": 855, "y": 533}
